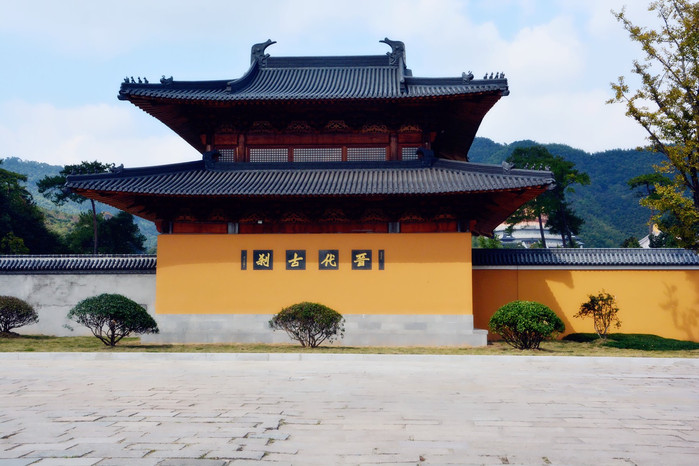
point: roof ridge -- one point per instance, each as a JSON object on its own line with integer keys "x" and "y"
{"x": 495, "y": 169}
{"x": 329, "y": 60}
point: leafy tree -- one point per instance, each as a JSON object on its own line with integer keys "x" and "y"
{"x": 12, "y": 244}
{"x": 53, "y": 188}
{"x": 647, "y": 183}
{"x": 484, "y": 242}
{"x": 22, "y": 228}
{"x": 631, "y": 242}
{"x": 309, "y": 323}
{"x": 603, "y": 310}
{"x": 119, "y": 235}
{"x": 533, "y": 210}
{"x": 15, "y": 312}
{"x": 666, "y": 105}
{"x": 111, "y": 317}
{"x": 525, "y": 324}
{"x": 662, "y": 240}
{"x": 565, "y": 222}
{"x": 552, "y": 204}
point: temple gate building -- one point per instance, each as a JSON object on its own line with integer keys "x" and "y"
{"x": 340, "y": 180}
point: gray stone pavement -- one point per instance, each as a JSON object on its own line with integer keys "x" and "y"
{"x": 219, "y": 409}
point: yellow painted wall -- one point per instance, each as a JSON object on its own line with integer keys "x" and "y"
{"x": 660, "y": 302}
{"x": 424, "y": 273}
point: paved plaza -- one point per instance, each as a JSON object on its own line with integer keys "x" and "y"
{"x": 282, "y": 409}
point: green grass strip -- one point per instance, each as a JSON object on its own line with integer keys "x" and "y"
{"x": 618, "y": 345}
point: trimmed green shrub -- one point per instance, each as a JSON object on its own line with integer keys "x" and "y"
{"x": 637, "y": 341}
{"x": 641, "y": 341}
{"x": 603, "y": 310}
{"x": 581, "y": 337}
{"x": 525, "y": 324}
{"x": 309, "y": 323}
{"x": 111, "y": 317}
{"x": 15, "y": 312}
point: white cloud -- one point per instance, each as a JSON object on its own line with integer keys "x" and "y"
{"x": 601, "y": 23}
{"x": 559, "y": 56}
{"x": 108, "y": 133}
{"x": 544, "y": 57}
{"x": 581, "y": 120}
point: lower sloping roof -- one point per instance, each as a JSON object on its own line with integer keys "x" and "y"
{"x": 312, "y": 179}
{"x": 483, "y": 195}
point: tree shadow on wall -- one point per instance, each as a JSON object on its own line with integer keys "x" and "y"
{"x": 683, "y": 318}
{"x": 548, "y": 297}
{"x": 529, "y": 286}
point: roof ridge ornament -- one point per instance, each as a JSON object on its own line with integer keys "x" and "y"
{"x": 257, "y": 53}
{"x": 426, "y": 156}
{"x": 397, "y": 51}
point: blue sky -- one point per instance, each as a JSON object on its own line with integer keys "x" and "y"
{"x": 63, "y": 63}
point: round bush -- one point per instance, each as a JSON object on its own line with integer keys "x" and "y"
{"x": 111, "y": 317}
{"x": 15, "y": 312}
{"x": 309, "y": 323}
{"x": 525, "y": 324}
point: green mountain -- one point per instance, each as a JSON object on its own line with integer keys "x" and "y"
{"x": 610, "y": 208}
{"x": 62, "y": 217}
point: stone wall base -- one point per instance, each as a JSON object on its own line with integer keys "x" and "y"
{"x": 53, "y": 295}
{"x": 360, "y": 330}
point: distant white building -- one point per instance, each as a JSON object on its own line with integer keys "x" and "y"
{"x": 527, "y": 233}
{"x": 645, "y": 241}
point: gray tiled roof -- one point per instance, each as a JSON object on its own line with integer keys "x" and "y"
{"x": 78, "y": 264}
{"x": 313, "y": 179}
{"x": 317, "y": 78}
{"x": 593, "y": 257}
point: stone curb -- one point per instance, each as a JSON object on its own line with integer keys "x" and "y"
{"x": 431, "y": 358}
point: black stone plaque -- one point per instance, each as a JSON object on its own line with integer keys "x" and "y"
{"x": 381, "y": 258}
{"x": 243, "y": 260}
{"x": 295, "y": 259}
{"x": 263, "y": 259}
{"x": 361, "y": 259}
{"x": 328, "y": 259}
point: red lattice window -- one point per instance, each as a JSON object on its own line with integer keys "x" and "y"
{"x": 366, "y": 153}
{"x": 409, "y": 153}
{"x": 271, "y": 154}
{"x": 227, "y": 155}
{"x": 318, "y": 154}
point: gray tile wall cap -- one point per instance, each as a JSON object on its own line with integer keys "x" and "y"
{"x": 19, "y": 264}
{"x": 592, "y": 257}
{"x": 563, "y": 258}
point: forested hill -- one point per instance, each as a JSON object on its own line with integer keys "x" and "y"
{"x": 35, "y": 171}
{"x": 610, "y": 209}
{"x": 38, "y": 170}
